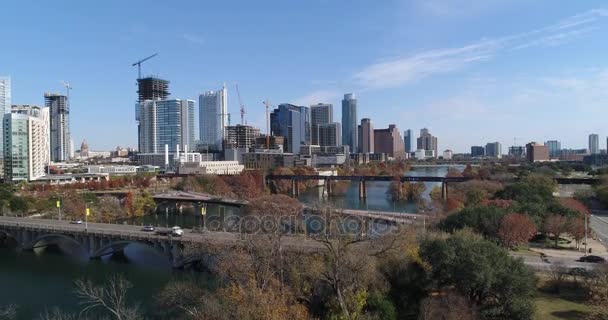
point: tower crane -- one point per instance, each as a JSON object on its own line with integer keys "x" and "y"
{"x": 241, "y": 104}
{"x": 267, "y": 104}
{"x": 138, "y": 64}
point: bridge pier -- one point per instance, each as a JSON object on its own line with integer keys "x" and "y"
{"x": 362, "y": 190}
{"x": 295, "y": 188}
{"x": 328, "y": 188}
{"x": 444, "y": 190}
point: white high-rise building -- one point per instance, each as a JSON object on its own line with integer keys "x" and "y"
{"x": 213, "y": 117}
{"x": 594, "y": 143}
{"x": 27, "y": 141}
{"x": 5, "y": 105}
{"x": 165, "y": 122}
{"x": 59, "y": 120}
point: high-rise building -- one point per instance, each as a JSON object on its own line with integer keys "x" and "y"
{"x": 478, "y": 151}
{"x": 427, "y": 142}
{"x": 407, "y": 140}
{"x": 389, "y": 141}
{"x": 320, "y": 115}
{"x": 366, "y": 136}
{"x": 213, "y": 117}
{"x": 5, "y": 107}
{"x": 241, "y": 136}
{"x": 494, "y": 150}
{"x": 330, "y": 134}
{"x": 293, "y": 123}
{"x": 555, "y": 147}
{"x": 59, "y": 115}
{"x": 594, "y": 144}
{"x": 537, "y": 152}
{"x": 27, "y": 141}
{"x": 152, "y": 88}
{"x": 165, "y": 122}
{"x": 84, "y": 149}
{"x": 517, "y": 152}
{"x": 349, "y": 122}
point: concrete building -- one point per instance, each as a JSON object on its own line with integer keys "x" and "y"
{"x": 59, "y": 119}
{"x": 27, "y": 141}
{"x": 537, "y": 152}
{"x": 165, "y": 122}
{"x": 5, "y": 108}
{"x": 274, "y": 142}
{"x": 363, "y": 158}
{"x": 366, "y": 136}
{"x": 267, "y": 159}
{"x": 426, "y": 141}
{"x": 448, "y": 154}
{"x": 494, "y": 150}
{"x": 389, "y": 141}
{"x": 213, "y": 117}
{"x": 594, "y": 144}
{"x": 293, "y": 123}
{"x": 349, "y": 122}
{"x": 211, "y": 167}
{"x": 241, "y": 136}
{"x": 407, "y": 140}
{"x": 112, "y": 170}
{"x": 554, "y": 148}
{"x": 478, "y": 151}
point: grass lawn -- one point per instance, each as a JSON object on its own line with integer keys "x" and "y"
{"x": 554, "y": 307}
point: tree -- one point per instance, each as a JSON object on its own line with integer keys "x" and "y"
{"x": 556, "y": 225}
{"x": 576, "y": 228}
{"x": 110, "y": 298}
{"x": 109, "y": 209}
{"x": 516, "y": 229}
{"x": 485, "y": 220}
{"x": 142, "y": 204}
{"x": 500, "y": 286}
{"x": 8, "y": 312}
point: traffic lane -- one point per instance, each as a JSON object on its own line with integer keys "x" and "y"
{"x": 600, "y": 226}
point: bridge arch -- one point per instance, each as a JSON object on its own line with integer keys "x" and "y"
{"x": 53, "y": 239}
{"x": 115, "y": 246}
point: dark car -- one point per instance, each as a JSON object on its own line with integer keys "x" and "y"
{"x": 148, "y": 229}
{"x": 592, "y": 259}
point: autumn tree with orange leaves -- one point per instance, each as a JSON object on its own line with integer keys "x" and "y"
{"x": 516, "y": 229}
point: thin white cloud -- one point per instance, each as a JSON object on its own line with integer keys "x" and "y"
{"x": 317, "y": 97}
{"x": 398, "y": 71}
{"x": 193, "y": 38}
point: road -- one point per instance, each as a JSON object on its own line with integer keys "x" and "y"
{"x": 599, "y": 223}
{"x": 135, "y": 232}
{"x": 537, "y": 263}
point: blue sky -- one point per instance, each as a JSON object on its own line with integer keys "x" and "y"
{"x": 471, "y": 71}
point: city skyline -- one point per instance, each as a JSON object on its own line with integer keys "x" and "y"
{"x": 472, "y": 81}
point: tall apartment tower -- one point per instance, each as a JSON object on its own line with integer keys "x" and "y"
{"x": 27, "y": 141}
{"x": 389, "y": 141}
{"x": 213, "y": 117}
{"x": 293, "y": 123}
{"x": 241, "y": 136}
{"x": 407, "y": 140}
{"x": 320, "y": 114}
{"x": 427, "y": 142}
{"x": 165, "y": 122}
{"x": 493, "y": 149}
{"x": 555, "y": 148}
{"x": 5, "y": 108}
{"x": 349, "y": 122}
{"x": 366, "y": 136}
{"x": 59, "y": 120}
{"x": 594, "y": 143}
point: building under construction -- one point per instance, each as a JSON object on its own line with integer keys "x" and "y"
{"x": 241, "y": 136}
{"x": 152, "y": 88}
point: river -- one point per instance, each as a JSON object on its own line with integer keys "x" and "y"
{"x": 37, "y": 281}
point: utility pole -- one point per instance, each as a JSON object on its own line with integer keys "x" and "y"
{"x": 586, "y": 234}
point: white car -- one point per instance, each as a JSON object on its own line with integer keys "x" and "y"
{"x": 76, "y": 222}
{"x": 177, "y": 231}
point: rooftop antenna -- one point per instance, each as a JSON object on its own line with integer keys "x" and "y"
{"x": 138, "y": 64}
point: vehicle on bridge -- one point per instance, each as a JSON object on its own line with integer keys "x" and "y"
{"x": 148, "y": 228}
{"x": 175, "y": 231}
{"x": 76, "y": 222}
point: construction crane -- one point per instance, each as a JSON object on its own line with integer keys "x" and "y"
{"x": 138, "y": 64}
{"x": 241, "y": 104}
{"x": 267, "y": 104}
{"x": 68, "y": 87}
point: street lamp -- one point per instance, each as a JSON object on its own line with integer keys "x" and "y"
{"x": 203, "y": 214}
{"x": 86, "y": 218}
